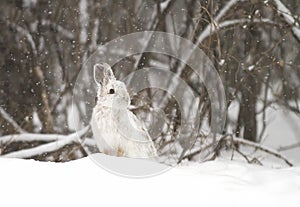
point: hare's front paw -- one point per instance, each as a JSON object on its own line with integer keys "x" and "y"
{"x": 120, "y": 152}
{"x": 106, "y": 151}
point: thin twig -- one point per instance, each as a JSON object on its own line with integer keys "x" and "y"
{"x": 289, "y": 147}
{"x": 264, "y": 109}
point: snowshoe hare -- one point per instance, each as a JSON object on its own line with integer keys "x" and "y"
{"x": 117, "y": 130}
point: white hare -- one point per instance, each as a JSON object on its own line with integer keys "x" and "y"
{"x": 117, "y": 130}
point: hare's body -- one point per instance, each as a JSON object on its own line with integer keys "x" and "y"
{"x": 113, "y": 137}
{"x": 117, "y": 130}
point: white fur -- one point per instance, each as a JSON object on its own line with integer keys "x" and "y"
{"x": 115, "y": 128}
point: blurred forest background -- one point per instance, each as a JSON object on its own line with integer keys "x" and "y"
{"x": 253, "y": 44}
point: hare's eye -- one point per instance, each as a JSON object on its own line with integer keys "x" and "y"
{"x": 111, "y": 91}
{"x": 96, "y": 99}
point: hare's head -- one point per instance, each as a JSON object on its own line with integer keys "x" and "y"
{"x": 110, "y": 89}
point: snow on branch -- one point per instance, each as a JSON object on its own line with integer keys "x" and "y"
{"x": 10, "y": 120}
{"x": 30, "y": 137}
{"x": 288, "y": 17}
{"x": 49, "y": 147}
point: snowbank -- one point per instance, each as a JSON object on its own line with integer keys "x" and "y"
{"x": 83, "y": 183}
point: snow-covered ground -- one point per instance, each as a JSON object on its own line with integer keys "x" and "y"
{"x": 83, "y": 183}
{"x": 283, "y": 130}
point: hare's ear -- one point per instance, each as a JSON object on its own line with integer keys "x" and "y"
{"x": 103, "y": 73}
{"x": 99, "y": 74}
{"x": 108, "y": 73}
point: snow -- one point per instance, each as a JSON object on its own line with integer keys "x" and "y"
{"x": 164, "y": 4}
{"x": 222, "y": 61}
{"x": 283, "y": 130}
{"x": 82, "y": 183}
{"x": 251, "y": 67}
{"x": 288, "y": 17}
{"x": 28, "y": 137}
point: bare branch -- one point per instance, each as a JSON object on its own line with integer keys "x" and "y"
{"x": 10, "y": 120}
{"x": 25, "y": 33}
{"x": 64, "y": 32}
{"x": 219, "y": 16}
{"x": 259, "y": 147}
{"x": 44, "y": 111}
{"x": 210, "y": 29}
